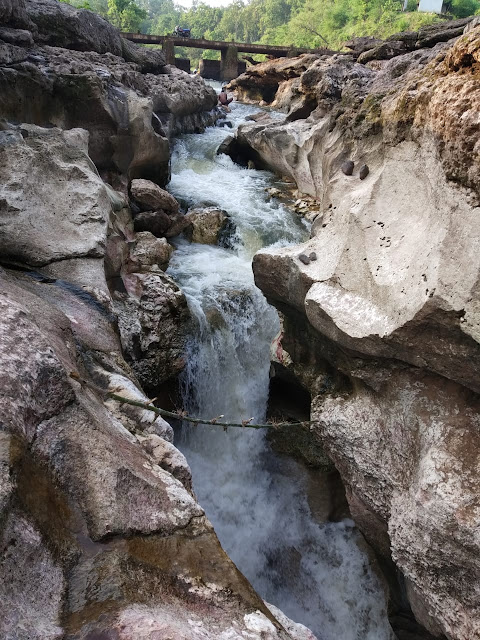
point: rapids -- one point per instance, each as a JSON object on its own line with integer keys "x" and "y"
{"x": 257, "y": 500}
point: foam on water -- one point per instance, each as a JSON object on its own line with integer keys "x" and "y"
{"x": 256, "y": 500}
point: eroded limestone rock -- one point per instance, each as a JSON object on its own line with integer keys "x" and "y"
{"x": 149, "y": 252}
{"x": 387, "y": 337}
{"x": 122, "y": 545}
{"x": 53, "y": 204}
{"x": 208, "y": 226}
{"x": 150, "y": 196}
{"x": 169, "y": 458}
{"x": 81, "y": 73}
{"x": 153, "y": 318}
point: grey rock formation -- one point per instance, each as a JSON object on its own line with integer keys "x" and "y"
{"x": 63, "y": 217}
{"x": 261, "y": 82}
{"x": 99, "y": 537}
{"x": 13, "y": 13}
{"x": 61, "y": 25}
{"x": 153, "y": 319}
{"x": 81, "y": 73}
{"x": 383, "y": 328}
{"x": 151, "y": 197}
{"x": 169, "y": 458}
{"x": 149, "y": 252}
{"x": 208, "y": 226}
{"x": 122, "y": 548}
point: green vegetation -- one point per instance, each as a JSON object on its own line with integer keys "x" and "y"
{"x": 303, "y": 23}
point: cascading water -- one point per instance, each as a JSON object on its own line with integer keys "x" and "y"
{"x": 255, "y": 499}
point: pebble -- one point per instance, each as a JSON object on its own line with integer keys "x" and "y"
{"x": 313, "y": 256}
{"x": 347, "y": 167}
{"x": 304, "y": 258}
{"x": 364, "y": 171}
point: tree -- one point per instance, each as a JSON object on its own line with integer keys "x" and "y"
{"x": 125, "y": 14}
{"x": 464, "y": 8}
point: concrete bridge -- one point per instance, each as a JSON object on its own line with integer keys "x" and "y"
{"x": 229, "y": 50}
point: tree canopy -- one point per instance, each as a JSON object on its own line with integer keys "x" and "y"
{"x": 305, "y": 23}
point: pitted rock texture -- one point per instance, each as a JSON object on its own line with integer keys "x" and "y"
{"x": 391, "y": 354}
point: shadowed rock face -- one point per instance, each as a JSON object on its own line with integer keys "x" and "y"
{"x": 392, "y": 300}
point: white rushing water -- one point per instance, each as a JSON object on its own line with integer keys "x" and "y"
{"x": 256, "y": 499}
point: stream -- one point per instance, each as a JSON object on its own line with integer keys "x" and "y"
{"x": 257, "y": 500}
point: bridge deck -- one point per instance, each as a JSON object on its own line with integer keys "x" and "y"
{"x": 200, "y": 43}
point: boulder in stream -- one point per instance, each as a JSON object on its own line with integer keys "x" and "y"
{"x": 151, "y": 197}
{"x": 208, "y": 226}
{"x": 155, "y": 222}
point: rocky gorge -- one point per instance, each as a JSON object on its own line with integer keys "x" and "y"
{"x": 380, "y": 305}
{"x": 101, "y": 533}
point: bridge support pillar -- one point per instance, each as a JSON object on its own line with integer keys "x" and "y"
{"x": 169, "y": 50}
{"x": 229, "y": 63}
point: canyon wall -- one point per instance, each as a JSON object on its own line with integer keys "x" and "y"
{"x": 101, "y": 536}
{"x": 381, "y": 304}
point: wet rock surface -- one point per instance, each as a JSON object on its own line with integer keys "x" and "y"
{"x": 100, "y": 536}
{"x": 209, "y": 226}
{"x": 382, "y": 328}
{"x": 153, "y": 320}
{"x": 150, "y": 196}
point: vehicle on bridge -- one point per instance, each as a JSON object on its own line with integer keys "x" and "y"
{"x": 181, "y": 33}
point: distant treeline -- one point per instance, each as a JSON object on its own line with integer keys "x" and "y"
{"x": 305, "y": 23}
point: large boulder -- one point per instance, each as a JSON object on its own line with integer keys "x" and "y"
{"x": 14, "y": 14}
{"x": 149, "y": 253}
{"x": 61, "y": 217}
{"x": 262, "y": 81}
{"x": 155, "y": 222}
{"x": 59, "y": 24}
{"x": 151, "y": 197}
{"x": 208, "y": 226}
{"x": 153, "y": 319}
{"x": 382, "y": 325}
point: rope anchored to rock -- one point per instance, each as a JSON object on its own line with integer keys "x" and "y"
{"x": 183, "y": 415}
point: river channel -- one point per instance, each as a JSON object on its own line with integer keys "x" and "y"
{"x": 257, "y": 501}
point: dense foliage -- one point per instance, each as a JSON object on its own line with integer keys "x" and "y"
{"x": 308, "y": 23}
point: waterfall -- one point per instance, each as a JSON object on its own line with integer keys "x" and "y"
{"x": 257, "y": 501}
